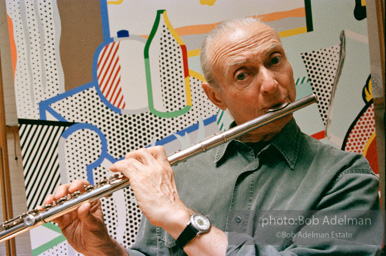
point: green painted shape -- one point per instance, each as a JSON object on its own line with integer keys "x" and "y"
{"x": 52, "y": 243}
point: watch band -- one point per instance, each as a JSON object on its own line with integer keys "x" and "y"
{"x": 188, "y": 234}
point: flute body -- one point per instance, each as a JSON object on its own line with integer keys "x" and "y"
{"x": 37, "y": 217}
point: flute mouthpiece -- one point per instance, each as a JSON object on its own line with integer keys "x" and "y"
{"x": 278, "y": 107}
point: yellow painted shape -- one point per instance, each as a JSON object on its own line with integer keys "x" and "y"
{"x": 194, "y": 53}
{"x": 293, "y": 32}
{"x": 115, "y": 2}
{"x": 180, "y": 42}
{"x": 363, "y": 2}
{"x": 369, "y": 91}
{"x": 208, "y": 2}
{"x": 188, "y": 94}
{"x": 197, "y": 75}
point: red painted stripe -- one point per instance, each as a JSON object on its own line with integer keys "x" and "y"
{"x": 121, "y": 103}
{"x": 104, "y": 52}
{"x": 117, "y": 73}
{"x": 107, "y": 63}
{"x": 185, "y": 60}
{"x": 114, "y": 87}
{"x": 112, "y": 94}
{"x": 105, "y": 86}
{"x": 119, "y": 95}
{"x": 112, "y": 72}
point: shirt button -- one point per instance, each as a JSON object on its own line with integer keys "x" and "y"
{"x": 238, "y": 219}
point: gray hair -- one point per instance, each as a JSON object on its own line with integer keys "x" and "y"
{"x": 222, "y": 29}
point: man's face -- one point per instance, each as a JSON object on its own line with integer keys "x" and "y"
{"x": 253, "y": 74}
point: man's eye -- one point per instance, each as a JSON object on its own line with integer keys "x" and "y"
{"x": 241, "y": 76}
{"x": 275, "y": 60}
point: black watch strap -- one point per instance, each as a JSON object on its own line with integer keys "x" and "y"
{"x": 188, "y": 234}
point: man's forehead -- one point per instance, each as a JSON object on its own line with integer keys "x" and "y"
{"x": 261, "y": 51}
{"x": 239, "y": 45}
{"x": 245, "y": 59}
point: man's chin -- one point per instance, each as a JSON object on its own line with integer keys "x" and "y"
{"x": 268, "y": 131}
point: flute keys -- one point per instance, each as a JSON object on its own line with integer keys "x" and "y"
{"x": 13, "y": 222}
{"x": 64, "y": 199}
{"x": 75, "y": 194}
{"x": 31, "y": 212}
{"x": 101, "y": 183}
{"x": 47, "y": 206}
{"x": 115, "y": 177}
{"x": 88, "y": 188}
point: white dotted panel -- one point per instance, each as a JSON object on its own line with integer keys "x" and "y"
{"x": 321, "y": 68}
{"x": 37, "y": 70}
{"x": 133, "y": 217}
{"x": 109, "y": 206}
{"x": 172, "y": 72}
{"x": 50, "y": 48}
{"x": 24, "y": 101}
{"x": 82, "y": 148}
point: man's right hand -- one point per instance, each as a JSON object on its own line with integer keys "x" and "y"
{"x": 84, "y": 227}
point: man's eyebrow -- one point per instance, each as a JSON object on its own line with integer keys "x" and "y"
{"x": 274, "y": 47}
{"x": 234, "y": 64}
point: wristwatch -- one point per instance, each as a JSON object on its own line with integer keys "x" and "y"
{"x": 198, "y": 224}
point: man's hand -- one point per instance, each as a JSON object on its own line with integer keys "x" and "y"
{"x": 84, "y": 227}
{"x": 152, "y": 181}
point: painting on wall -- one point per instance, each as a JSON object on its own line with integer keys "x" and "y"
{"x": 97, "y": 79}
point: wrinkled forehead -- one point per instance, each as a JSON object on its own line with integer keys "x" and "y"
{"x": 257, "y": 38}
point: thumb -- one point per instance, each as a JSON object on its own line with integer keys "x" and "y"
{"x": 86, "y": 214}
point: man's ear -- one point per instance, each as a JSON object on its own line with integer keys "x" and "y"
{"x": 214, "y": 95}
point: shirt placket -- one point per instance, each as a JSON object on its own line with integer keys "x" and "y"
{"x": 240, "y": 210}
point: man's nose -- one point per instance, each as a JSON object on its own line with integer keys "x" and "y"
{"x": 268, "y": 83}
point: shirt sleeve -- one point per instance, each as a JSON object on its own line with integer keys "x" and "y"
{"x": 348, "y": 213}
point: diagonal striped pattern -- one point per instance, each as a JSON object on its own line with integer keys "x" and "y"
{"x": 39, "y": 142}
{"x": 109, "y": 75}
{"x": 302, "y": 80}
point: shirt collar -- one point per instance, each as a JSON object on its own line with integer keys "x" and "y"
{"x": 286, "y": 142}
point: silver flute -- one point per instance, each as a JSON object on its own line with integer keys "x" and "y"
{"x": 105, "y": 188}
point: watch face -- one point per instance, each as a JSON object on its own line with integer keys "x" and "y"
{"x": 201, "y": 223}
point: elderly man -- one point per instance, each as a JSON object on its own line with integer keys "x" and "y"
{"x": 268, "y": 193}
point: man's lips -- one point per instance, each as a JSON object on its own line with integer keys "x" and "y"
{"x": 277, "y": 107}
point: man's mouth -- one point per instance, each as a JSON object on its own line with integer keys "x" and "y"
{"x": 278, "y": 107}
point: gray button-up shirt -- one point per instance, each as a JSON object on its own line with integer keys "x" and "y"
{"x": 296, "y": 196}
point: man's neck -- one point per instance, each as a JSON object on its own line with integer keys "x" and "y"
{"x": 266, "y": 132}
{"x": 252, "y": 137}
